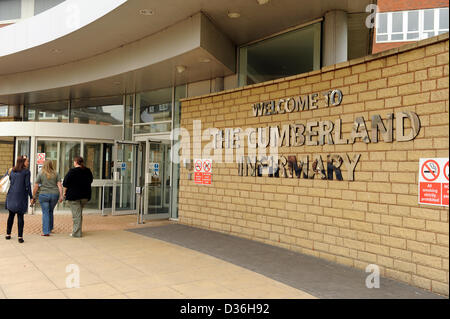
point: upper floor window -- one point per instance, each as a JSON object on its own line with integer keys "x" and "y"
{"x": 10, "y": 9}
{"x": 43, "y": 5}
{"x": 290, "y": 53}
{"x": 411, "y": 25}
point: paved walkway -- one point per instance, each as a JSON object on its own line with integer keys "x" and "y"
{"x": 63, "y": 223}
{"x": 122, "y": 264}
{"x": 163, "y": 259}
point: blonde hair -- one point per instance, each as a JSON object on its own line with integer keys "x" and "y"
{"x": 48, "y": 169}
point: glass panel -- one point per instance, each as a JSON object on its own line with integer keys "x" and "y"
{"x": 155, "y": 169}
{"x": 10, "y": 9}
{"x": 397, "y": 21}
{"x": 398, "y": 36}
{"x": 92, "y": 158}
{"x": 154, "y": 106}
{"x": 128, "y": 127}
{"x": 107, "y": 161}
{"x": 96, "y": 199}
{"x": 153, "y": 128}
{"x": 430, "y": 34}
{"x": 180, "y": 92}
{"x": 413, "y": 36}
{"x": 23, "y": 148}
{"x": 382, "y": 23}
{"x": 428, "y": 19}
{"x": 68, "y": 151}
{"x": 42, "y": 5}
{"x": 413, "y": 20}
{"x": 3, "y": 110}
{"x": 443, "y": 18}
{"x": 125, "y": 189}
{"x": 50, "y": 149}
{"x": 290, "y": 53}
{"x": 383, "y": 37}
{"x": 100, "y": 111}
{"x": 48, "y": 112}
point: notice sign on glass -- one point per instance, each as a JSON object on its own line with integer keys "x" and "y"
{"x": 433, "y": 181}
{"x": 203, "y": 171}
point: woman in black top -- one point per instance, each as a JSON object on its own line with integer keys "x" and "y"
{"x": 77, "y": 191}
{"x": 17, "y": 198}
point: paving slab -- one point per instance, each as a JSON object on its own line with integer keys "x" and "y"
{"x": 315, "y": 276}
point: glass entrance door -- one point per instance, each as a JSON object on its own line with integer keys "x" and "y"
{"x": 158, "y": 180}
{"x": 124, "y": 178}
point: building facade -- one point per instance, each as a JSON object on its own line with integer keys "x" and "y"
{"x": 403, "y": 22}
{"x": 305, "y": 140}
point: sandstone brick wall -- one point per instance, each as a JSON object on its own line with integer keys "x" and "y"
{"x": 6, "y": 159}
{"x": 375, "y": 219}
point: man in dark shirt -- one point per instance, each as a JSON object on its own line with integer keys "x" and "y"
{"x": 77, "y": 191}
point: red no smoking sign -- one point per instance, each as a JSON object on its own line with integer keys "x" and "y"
{"x": 203, "y": 171}
{"x": 430, "y": 170}
{"x": 433, "y": 181}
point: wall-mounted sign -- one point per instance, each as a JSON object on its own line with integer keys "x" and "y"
{"x": 433, "y": 181}
{"x": 154, "y": 172}
{"x": 40, "y": 158}
{"x": 203, "y": 171}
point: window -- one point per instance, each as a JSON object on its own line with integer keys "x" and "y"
{"x": 42, "y": 5}
{"x": 100, "y": 111}
{"x": 10, "y": 9}
{"x": 48, "y": 112}
{"x": 411, "y": 25}
{"x": 290, "y": 53}
{"x": 3, "y": 110}
{"x": 153, "y": 112}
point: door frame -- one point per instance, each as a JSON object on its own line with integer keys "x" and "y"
{"x": 115, "y": 176}
{"x": 158, "y": 139}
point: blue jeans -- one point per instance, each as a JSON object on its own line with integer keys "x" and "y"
{"x": 48, "y": 203}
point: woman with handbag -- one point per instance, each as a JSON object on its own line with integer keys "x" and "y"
{"x": 50, "y": 193}
{"x": 17, "y": 198}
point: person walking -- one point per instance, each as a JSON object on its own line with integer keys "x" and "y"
{"x": 17, "y": 197}
{"x": 77, "y": 191}
{"x": 51, "y": 191}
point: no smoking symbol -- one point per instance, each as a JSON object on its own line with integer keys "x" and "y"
{"x": 446, "y": 170}
{"x": 430, "y": 170}
{"x": 198, "y": 166}
{"x": 207, "y": 166}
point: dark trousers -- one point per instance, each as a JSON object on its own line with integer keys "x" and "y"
{"x": 10, "y": 223}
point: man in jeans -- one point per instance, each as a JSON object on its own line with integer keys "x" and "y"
{"x": 77, "y": 191}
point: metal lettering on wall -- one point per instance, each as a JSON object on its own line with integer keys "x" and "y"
{"x": 313, "y": 133}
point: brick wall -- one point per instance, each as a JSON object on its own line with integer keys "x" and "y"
{"x": 6, "y": 159}
{"x": 400, "y": 5}
{"x": 373, "y": 219}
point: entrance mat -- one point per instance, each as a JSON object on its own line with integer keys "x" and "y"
{"x": 318, "y": 277}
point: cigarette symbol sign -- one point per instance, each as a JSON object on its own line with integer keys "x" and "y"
{"x": 207, "y": 166}
{"x": 198, "y": 166}
{"x": 430, "y": 170}
{"x": 433, "y": 181}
